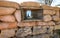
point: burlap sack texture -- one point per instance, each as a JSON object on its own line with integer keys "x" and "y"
{"x": 10, "y": 12}
{"x": 49, "y": 14}
{"x": 50, "y": 18}
{"x": 7, "y": 17}
{"x": 10, "y": 19}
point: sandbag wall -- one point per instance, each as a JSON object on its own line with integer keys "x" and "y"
{"x": 12, "y": 25}
{"x": 8, "y": 21}
{"x": 43, "y": 28}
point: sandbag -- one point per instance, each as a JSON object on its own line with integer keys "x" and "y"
{"x": 7, "y": 18}
{"x": 18, "y": 15}
{"x": 6, "y": 11}
{"x": 9, "y": 4}
{"x": 30, "y": 4}
{"x": 4, "y": 25}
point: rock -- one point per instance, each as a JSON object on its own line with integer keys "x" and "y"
{"x": 23, "y": 32}
{"x": 49, "y": 12}
{"x": 37, "y": 36}
{"x": 48, "y": 29}
{"x": 38, "y": 30}
{"x": 6, "y": 11}
{"x": 47, "y": 18}
{"x": 56, "y": 18}
{"x": 7, "y": 18}
{"x": 9, "y": 4}
{"x": 7, "y": 25}
{"x": 8, "y": 32}
{"x": 18, "y": 15}
{"x": 41, "y": 36}
{"x": 29, "y": 36}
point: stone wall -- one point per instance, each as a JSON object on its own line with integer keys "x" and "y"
{"x": 12, "y": 25}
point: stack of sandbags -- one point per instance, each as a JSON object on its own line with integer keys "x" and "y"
{"x": 7, "y": 17}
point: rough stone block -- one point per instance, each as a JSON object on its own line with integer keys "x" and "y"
{"x": 37, "y": 36}
{"x": 47, "y": 18}
{"x": 48, "y": 29}
{"x": 38, "y": 30}
{"x": 7, "y": 18}
{"x": 6, "y": 10}
{"x": 41, "y": 36}
{"x": 29, "y": 36}
{"x": 23, "y": 32}
{"x": 18, "y": 15}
